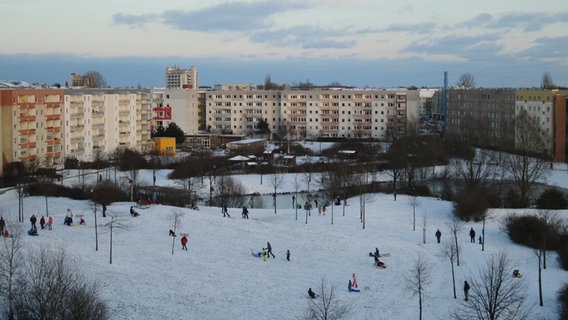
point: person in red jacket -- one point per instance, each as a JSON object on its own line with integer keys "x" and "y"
{"x": 184, "y": 242}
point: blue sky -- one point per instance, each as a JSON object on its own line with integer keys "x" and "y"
{"x": 363, "y": 43}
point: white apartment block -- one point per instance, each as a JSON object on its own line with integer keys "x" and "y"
{"x": 179, "y": 106}
{"x": 98, "y": 122}
{"x": 309, "y": 114}
{"x": 178, "y": 78}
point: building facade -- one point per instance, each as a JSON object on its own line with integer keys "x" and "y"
{"x": 178, "y": 78}
{"x": 311, "y": 114}
{"x": 32, "y": 126}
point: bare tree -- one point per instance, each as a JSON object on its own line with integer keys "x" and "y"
{"x": 296, "y": 188}
{"x": 495, "y": 294}
{"x": 547, "y": 81}
{"x": 230, "y": 192}
{"x": 527, "y": 163}
{"x": 466, "y": 80}
{"x": 176, "y": 217}
{"x": 450, "y": 251}
{"x": 417, "y": 280}
{"x": 275, "y": 181}
{"x": 115, "y": 222}
{"x": 21, "y": 192}
{"x": 414, "y": 202}
{"x": 474, "y": 168}
{"x": 94, "y": 79}
{"x": 455, "y": 226}
{"x": 326, "y": 306}
{"x": 10, "y": 262}
{"x": 49, "y": 287}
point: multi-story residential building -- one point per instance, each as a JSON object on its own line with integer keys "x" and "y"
{"x": 344, "y": 113}
{"x": 548, "y": 107}
{"x": 31, "y": 126}
{"x": 97, "y": 122}
{"x": 425, "y": 102}
{"x": 486, "y": 117}
{"x": 179, "y": 106}
{"x": 481, "y": 117}
{"x": 178, "y": 78}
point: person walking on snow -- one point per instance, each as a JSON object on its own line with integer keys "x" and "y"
{"x": 184, "y": 242}
{"x": 33, "y": 220}
{"x": 245, "y": 212}
{"x": 2, "y": 224}
{"x": 225, "y": 212}
{"x": 42, "y": 222}
{"x": 466, "y": 290}
{"x": 288, "y": 255}
{"x": 438, "y": 235}
{"x": 49, "y": 223}
{"x": 269, "y": 250}
{"x": 472, "y": 235}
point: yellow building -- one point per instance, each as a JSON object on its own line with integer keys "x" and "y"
{"x": 165, "y": 146}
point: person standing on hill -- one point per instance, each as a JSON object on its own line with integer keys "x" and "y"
{"x": 49, "y": 222}
{"x": 288, "y": 255}
{"x": 42, "y": 222}
{"x": 245, "y": 212}
{"x": 33, "y": 220}
{"x": 472, "y": 235}
{"x": 438, "y": 235}
{"x": 184, "y": 242}
{"x": 2, "y": 224}
{"x": 466, "y": 290}
{"x": 269, "y": 250}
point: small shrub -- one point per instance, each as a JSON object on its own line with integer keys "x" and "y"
{"x": 525, "y": 230}
{"x": 471, "y": 204}
{"x": 551, "y": 199}
{"x": 563, "y": 301}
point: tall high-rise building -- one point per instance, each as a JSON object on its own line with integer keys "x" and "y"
{"x": 177, "y": 78}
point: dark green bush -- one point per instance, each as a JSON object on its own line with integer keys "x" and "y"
{"x": 563, "y": 301}
{"x": 525, "y": 230}
{"x": 472, "y": 204}
{"x": 551, "y": 199}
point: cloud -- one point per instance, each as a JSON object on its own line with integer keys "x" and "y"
{"x": 229, "y": 16}
{"x": 457, "y": 45}
{"x": 526, "y": 21}
{"x": 547, "y": 48}
{"x": 424, "y": 27}
{"x": 307, "y": 37}
{"x": 133, "y": 20}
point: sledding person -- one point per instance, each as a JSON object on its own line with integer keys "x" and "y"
{"x": 172, "y": 233}
{"x": 82, "y": 221}
{"x": 379, "y": 263}
{"x": 269, "y": 250}
{"x": 245, "y": 212}
{"x": 68, "y": 218}
{"x": 133, "y": 212}
{"x": 33, "y": 231}
{"x": 466, "y": 290}
{"x": 472, "y": 235}
{"x": 184, "y": 242}
{"x": 42, "y": 222}
{"x": 33, "y": 220}
{"x": 311, "y": 294}
{"x": 516, "y": 273}
{"x": 349, "y": 286}
{"x": 438, "y": 235}
{"x": 264, "y": 254}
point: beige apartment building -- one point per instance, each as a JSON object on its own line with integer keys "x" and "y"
{"x": 179, "y": 106}
{"x": 311, "y": 114}
{"x": 32, "y": 127}
{"x": 99, "y": 121}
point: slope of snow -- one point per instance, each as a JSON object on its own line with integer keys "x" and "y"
{"x": 218, "y": 278}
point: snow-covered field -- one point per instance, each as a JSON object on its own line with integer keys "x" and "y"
{"x": 218, "y": 278}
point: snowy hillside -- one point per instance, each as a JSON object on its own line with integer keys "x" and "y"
{"x": 218, "y": 278}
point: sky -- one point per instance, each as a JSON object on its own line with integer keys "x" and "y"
{"x": 362, "y": 43}
{"x": 218, "y": 278}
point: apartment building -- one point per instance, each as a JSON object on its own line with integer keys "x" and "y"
{"x": 178, "y": 78}
{"x": 32, "y": 127}
{"x": 97, "y": 122}
{"x": 548, "y": 107}
{"x": 301, "y": 114}
{"x": 179, "y": 106}
{"x": 486, "y": 117}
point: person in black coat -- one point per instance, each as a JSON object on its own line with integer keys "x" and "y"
{"x": 269, "y": 250}
{"x": 438, "y": 235}
{"x": 311, "y": 293}
{"x": 33, "y": 220}
{"x": 466, "y": 290}
{"x": 472, "y": 235}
